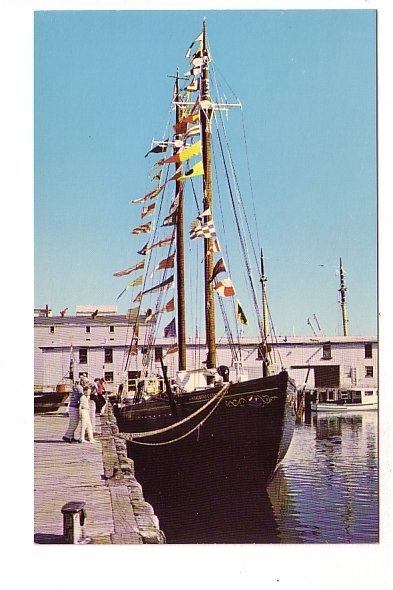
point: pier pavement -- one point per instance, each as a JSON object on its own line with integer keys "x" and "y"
{"x": 98, "y": 474}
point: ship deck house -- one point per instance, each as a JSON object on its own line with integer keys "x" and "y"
{"x": 99, "y": 347}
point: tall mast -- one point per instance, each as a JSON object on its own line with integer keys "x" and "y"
{"x": 206, "y": 113}
{"x": 181, "y": 320}
{"x": 265, "y": 323}
{"x": 343, "y": 303}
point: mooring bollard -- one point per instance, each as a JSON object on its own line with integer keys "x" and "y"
{"x": 74, "y": 516}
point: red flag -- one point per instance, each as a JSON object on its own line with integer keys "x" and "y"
{"x": 163, "y": 242}
{"x": 170, "y": 306}
{"x": 165, "y": 263}
{"x": 127, "y": 271}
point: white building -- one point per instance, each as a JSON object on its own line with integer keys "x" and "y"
{"x": 100, "y": 347}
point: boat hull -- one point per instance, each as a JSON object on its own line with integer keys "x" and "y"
{"x": 344, "y": 408}
{"x": 246, "y": 434}
{"x": 50, "y": 401}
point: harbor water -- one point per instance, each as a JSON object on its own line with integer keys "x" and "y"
{"x": 325, "y": 491}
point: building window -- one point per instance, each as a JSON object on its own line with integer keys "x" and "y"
{"x": 144, "y": 350}
{"x": 108, "y": 355}
{"x": 368, "y": 351}
{"x": 52, "y": 329}
{"x": 87, "y": 329}
{"x": 157, "y": 353}
{"x": 111, "y": 329}
{"x": 327, "y": 352}
{"x": 369, "y": 371}
{"x": 108, "y": 376}
{"x": 83, "y": 356}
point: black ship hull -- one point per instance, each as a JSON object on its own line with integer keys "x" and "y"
{"x": 245, "y": 433}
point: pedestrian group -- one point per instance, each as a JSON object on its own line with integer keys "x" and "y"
{"x": 86, "y": 400}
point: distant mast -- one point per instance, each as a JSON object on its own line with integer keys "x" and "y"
{"x": 342, "y": 291}
{"x": 265, "y": 323}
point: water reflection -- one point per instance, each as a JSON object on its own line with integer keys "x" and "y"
{"x": 332, "y": 476}
{"x": 326, "y": 491}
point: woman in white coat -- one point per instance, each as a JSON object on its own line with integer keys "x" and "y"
{"x": 84, "y": 412}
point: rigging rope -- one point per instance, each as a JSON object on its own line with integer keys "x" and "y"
{"x": 132, "y": 436}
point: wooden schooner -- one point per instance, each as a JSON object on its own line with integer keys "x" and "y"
{"x": 211, "y": 416}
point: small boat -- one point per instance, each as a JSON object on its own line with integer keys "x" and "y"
{"x": 204, "y": 411}
{"x": 50, "y": 401}
{"x": 344, "y": 400}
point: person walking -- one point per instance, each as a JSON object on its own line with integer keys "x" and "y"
{"x": 84, "y": 410}
{"x": 73, "y": 413}
{"x": 93, "y": 404}
{"x": 101, "y": 401}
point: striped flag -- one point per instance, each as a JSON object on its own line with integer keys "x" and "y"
{"x": 148, "y": 210}
{"x": 142, "y": 229}
{"x": 172, "y": 349}
{"x": 151, "y": 195}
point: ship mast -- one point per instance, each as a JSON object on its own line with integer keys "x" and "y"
{"x": 181, "y": 320}
{"x": 342, "y": 291}
{"x": 265, "y": 323}
{"x": 206, "y": 113}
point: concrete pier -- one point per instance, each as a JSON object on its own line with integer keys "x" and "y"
{"x": 99, "y": 475}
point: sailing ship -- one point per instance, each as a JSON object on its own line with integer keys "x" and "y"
{"x": 210, "y": 417}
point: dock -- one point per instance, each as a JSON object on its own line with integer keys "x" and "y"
{"x": 98, "y": 476}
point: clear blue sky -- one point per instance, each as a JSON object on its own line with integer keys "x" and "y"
{"x": 307, "y": 83}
